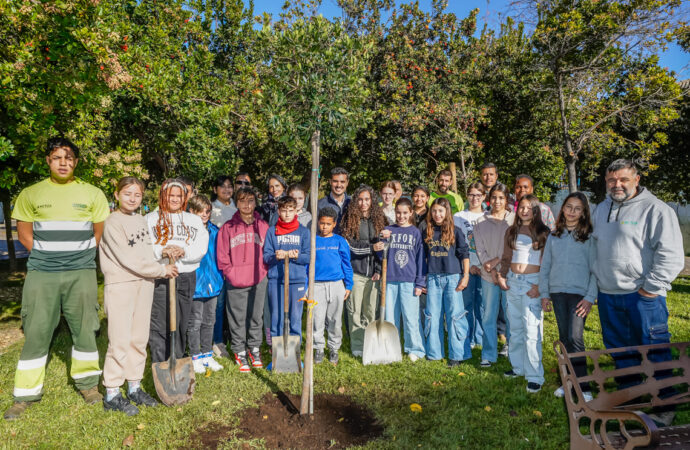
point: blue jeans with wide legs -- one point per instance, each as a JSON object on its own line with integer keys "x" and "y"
{"x": 472, "y": 297}
{"x": 401, "y": 301}
{"x": 492, "y": 297}
{"x": 443, "y": 300}
{"x": 525, "y": 318}
{"x": 630, "y": 320}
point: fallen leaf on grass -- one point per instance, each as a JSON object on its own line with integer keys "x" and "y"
{"x": 141, "y": 426}
{"x": 364, "y": 384}
{"x": 547, "y": 424}
{"x": 512, "y": 413}
{"x": 216, "y": 402}
{"x": 537, "y": 413}
{"x": 341, "y": 419}
{"x": 341, "y": 389}
{"x": 461, "y": 374}
{"x": 179, "y": 409}
{"x": 13, "y": 433}
{"x": 208, "y": 373}
{"x": 241, "y": 399}
{"x": 128, "y": 441}
{"x": 487, "y": 408}
{"x": 415, "y": 407}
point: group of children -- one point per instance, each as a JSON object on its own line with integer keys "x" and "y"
{"x": 509, "y": 257}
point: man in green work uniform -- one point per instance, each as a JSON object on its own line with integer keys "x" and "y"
{"x": 444, "y": 180}
{"x": 60, "y": 219}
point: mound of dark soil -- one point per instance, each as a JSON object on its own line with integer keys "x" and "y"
{"x": 337, "y": 423}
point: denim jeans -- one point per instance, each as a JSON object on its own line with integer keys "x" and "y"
{"x": 492, "y": 297}
{"x": 525, "y": 317}
{"x": 442, "y": 300}
{"x": 400, "y": 300}
{"x": 630, "y": 320}
{"x": 570, "y": 327}
{"x": 472, "y": 298}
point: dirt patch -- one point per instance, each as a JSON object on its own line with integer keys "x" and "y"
{"x": 9, "y": 336}
{"x": 337, "y": 423}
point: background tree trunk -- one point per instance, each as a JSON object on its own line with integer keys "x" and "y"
{"x": 6, "y": 198}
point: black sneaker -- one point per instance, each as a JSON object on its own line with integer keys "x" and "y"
{"x": 119, "y": 403}
{"x": 333, "y": 356}
{"x": 318, "y": 356}
{"x": 453, "y": 363}
{"x": 511, "y": 374}
{"x": 140, "y": 397}
{"x": 533, "y": 388}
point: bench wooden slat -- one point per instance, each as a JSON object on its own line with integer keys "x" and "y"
{"x": 617, "y": 406}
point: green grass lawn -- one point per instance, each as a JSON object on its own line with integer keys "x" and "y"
{"x": 461, "y": 408}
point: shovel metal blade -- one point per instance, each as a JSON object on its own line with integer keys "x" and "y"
{"x": 174, "y": 382}
{"x": 381, "y": 344}
{"x": 286, "y": 361}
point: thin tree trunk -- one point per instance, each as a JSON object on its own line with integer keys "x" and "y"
{"x": 454, "y": 178}
{"x": 307, "y": 400}
{"x": 462, "y": 167}
{"x": 570, "y": 157}
{"x": 6, "y": 198}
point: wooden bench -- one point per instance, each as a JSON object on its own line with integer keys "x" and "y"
{"x": 614, "y": 417}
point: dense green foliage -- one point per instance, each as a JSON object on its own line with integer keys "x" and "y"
{"x": 202, "y": 87}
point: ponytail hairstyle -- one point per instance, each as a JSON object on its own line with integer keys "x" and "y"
{"x": 163, "y": 227}
{"x": 447, "y": 227}
{"x": 584, "y": 226}
{"x": 538, "y": 231}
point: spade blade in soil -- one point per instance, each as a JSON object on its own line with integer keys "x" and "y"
{"x": 174, "y": 380}
{"x": 381, "y": 344}
{"x": 286, "y": 361}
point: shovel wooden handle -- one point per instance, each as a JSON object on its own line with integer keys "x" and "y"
{"x": 286, "y": 286}
{"x": 384, "y": 271}
{"x": 172, "y": 291}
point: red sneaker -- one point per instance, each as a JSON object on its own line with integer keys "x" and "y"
{"x": 241, "y": 360}
{"x": 255, "y": 358}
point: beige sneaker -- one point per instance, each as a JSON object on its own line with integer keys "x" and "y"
{"x": 92, "y": 396}
{"x": 16, "y": 410}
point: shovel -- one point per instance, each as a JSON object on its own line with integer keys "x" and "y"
{"x": 381, "y": 338}
{"x": 174, "y": 378}
{"x": 286, "y": 348}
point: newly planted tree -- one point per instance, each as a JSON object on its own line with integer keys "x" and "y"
{"x": 312, "y": 84}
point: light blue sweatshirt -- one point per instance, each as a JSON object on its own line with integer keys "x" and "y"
{"x": 566, "y": 267}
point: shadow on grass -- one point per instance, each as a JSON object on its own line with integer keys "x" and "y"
{"x": 282, "y": 396}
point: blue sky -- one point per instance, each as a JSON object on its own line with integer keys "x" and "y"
{"x": 491, "y": 12}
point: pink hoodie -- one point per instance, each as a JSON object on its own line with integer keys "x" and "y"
{"x": 240, "y": 251}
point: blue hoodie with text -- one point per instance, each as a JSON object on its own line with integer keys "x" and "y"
{"x": 406, "y": 256}
{"x": 298, "y": 239}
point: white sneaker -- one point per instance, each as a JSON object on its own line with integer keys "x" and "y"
{"x": 198, "y": 364}
{"x": 413, "y": 357}
{"x": 212, "y": 363}
{"x": 560, "y": 392}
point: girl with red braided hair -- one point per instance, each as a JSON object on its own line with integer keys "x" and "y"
{"x": 181, "y": 237}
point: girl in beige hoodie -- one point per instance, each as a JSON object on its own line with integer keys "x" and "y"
{"x": 129, "y": 267}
